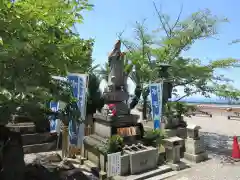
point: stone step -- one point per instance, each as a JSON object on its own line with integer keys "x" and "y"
{"x": 89, "y": 164}
{"x": 147, "y": 175}
{"x": 36, "y": 148}
{"x": 23, "y": 128}
{"x": 163, "y": 176}
{"x": 38, "y": 138}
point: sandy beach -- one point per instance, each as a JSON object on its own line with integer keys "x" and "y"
{"x": 219, "y": 110}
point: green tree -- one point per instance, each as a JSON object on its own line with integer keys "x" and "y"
{"x": 139, "y": 56}
{"x": 186, "y": 73}
{"x": 37, "y": 41}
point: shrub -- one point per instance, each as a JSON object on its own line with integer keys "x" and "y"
{"x": 153, "y": 137}
{"x": 112, "y": 145}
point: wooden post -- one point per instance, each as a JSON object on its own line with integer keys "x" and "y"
{"x": 65, "y": 141}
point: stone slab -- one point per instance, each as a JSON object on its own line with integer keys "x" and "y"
{"x": 163, "y": 176}
{"x": 36, "y": 148}
{"x": 145, "y": 175}
{"x": 116, "y": 121}
{"x": 38, "y": 138}
{"x": 194, "y": 146}
{"x": 23, "y": 128}
{"x": 178, "y": 166}
{"x": 196, "y": 157}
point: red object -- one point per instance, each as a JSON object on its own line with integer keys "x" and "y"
{"x": 112, "y": 107}
{"x": 235, "y": 149}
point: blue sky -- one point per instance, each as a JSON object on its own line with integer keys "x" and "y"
{"x": 110, "y": 17}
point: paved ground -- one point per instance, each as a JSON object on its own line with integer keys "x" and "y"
{"x": 213, "y": 169}
{"x": 217, "y": 133}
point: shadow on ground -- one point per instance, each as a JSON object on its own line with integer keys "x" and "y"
{"x": 217, "y": 144}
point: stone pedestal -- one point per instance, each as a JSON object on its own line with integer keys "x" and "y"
{"x": 182, "y": 133}
{"x": 172, "y": 148}
{"x": 194, "y": 144}
{"x": 106, "y": 126}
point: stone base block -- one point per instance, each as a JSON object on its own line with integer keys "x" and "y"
{"x": 196, "y": 157}
{"x": 194, "y": 146}
{"x": 173, "y": 155}
{"x": 178, "y": 166}
{"x": 102, "y": 130}
{"x": 23, "y": 128}
{"x": 38, "y": 138}
{"x": 36, "y": 148}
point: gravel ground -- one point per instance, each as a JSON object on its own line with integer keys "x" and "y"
{"x": 212, "y": 169}
{"x": 218, "y": 133}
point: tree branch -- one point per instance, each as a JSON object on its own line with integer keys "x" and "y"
{"x": 177, "y": 20}
{"x": 186, "y": 95}
{"x": 161, "y": 20}
{"x": 142, "y": 38}
{"x": 185, "y": 83}
{"x": 120, "y": 37}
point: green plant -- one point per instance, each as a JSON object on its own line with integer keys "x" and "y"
{"x": 153, "y": 137}
{"x": 112, "y": 145}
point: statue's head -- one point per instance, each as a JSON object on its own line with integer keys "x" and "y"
{"x": 116, "y": 49}
{"x": 117, "y": 45}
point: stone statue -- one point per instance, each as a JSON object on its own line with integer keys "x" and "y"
{"x": 116, "y": 77}
{"x": 116, "y": 94}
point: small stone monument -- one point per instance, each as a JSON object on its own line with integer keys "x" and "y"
{"x": 194, "y": 145}
{"x": 172, "y": 147}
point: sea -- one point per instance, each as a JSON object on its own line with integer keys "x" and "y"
{"x": 215, "y": 104}
{"x": 210, "y": 101}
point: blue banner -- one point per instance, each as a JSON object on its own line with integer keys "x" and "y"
{"x": 54, "y": 106}
{"x": 73, "y": 126}
{"x": 76, "y": 131}
{"x": 156, "y": 103}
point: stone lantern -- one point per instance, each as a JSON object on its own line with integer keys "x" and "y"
{"x": 167, "y": 85}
